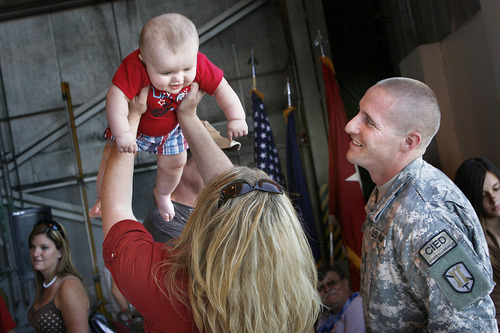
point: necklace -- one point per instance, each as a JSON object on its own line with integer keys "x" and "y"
{"x": 46, "y": 285}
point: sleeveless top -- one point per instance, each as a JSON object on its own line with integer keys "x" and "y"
{"x": 48, "y": 318}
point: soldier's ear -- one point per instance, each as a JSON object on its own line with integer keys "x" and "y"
{"x": 412, "y": 141}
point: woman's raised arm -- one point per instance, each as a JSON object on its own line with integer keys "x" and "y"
{"x": 209, "y": 158}
{"x": 116, "y": 193}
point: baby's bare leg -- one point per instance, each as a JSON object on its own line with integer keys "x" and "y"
{"x": 95, "y": 211}
{"x": 168, "y": 176}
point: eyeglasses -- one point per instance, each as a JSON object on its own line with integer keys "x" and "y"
{"x": 52, "y": 225}
{"x": 329, "y": 285}
{"x": 241, "y": 187}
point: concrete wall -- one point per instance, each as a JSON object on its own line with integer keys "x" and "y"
{"x": 84, "y": 47}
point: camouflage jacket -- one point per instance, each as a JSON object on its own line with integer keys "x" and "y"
{"x": 425, "y": 263}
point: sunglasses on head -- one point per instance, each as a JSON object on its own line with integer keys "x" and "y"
{"x": 52, "y": 225}
{"x": 241, "y": 187}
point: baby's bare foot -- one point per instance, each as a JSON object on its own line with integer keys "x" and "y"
{"x": 95, "y": 211}
{"x": 165, "y": 205}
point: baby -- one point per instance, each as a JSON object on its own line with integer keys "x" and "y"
{"x": 168, "y": 61}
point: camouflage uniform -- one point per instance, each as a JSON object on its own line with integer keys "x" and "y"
{"x": 425, "y": 263}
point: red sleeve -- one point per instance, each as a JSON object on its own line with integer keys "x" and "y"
{"x": 208, "y": 75}
{"x": 131, "y": 76}
{"x": 6, "y": 321}
{"x": 130, "y": 254}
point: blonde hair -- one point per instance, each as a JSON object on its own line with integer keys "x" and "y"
{"x": 65, "y": 265}
{"x": 248, "y": 264}
{"x": 169, "y": 30}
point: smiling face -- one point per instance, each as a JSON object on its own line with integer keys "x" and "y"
{"x": 171, "y": 71}
{"x": 44, "y": 254}
{"x": 334, "y": 292}
{"x": 491, "y": 196}
{"x": 376, "y": 140}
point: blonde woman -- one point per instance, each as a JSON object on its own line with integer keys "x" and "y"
{"x": 242, "y": 263}
{"x": 61, "y": 303}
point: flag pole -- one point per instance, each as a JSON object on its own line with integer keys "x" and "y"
{"x": 253, "y": 62}
{"x": 297, "y": 184}
{"x": 319, "y": 42}
{"x": 331, "y": 220}
{"x": 266, "y": 155}
{"x": 288, "y": 92}
{"x": 290, "y": 107}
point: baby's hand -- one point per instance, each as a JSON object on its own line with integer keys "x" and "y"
{"x": 126, "y": 143}
{"x": 236, "y": 128}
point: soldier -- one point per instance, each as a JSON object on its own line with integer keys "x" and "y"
{"x": 425, "y": 263}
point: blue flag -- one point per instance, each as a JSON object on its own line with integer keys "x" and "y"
{"x": 297, "y": 187}
{"x": 265, "y": 151}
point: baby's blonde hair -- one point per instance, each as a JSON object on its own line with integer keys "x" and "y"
{"x": 248, "y": 263}
{"x": 169, "y": 30}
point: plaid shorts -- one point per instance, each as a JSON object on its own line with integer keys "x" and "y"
{"x": 172, "y": 144}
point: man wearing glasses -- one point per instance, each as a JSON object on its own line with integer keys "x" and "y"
{"x": 342, "y": 309}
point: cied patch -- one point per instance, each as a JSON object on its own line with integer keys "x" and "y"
{"x": 460, "y": 275}
{"x": 459, "y": 278}
{"x": 437, "y": 247}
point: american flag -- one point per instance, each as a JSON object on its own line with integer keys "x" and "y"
{"x": 265, "y": 151}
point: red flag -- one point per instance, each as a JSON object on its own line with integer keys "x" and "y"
{"x": 346, "y": 197}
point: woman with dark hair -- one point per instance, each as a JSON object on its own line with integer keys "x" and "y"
{"x": 61, "y": 303}
{"x": 479, "y": 179}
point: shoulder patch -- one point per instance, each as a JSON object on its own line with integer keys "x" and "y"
{"x": 437, "y": 247}
{"x": 460, "y": 276}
